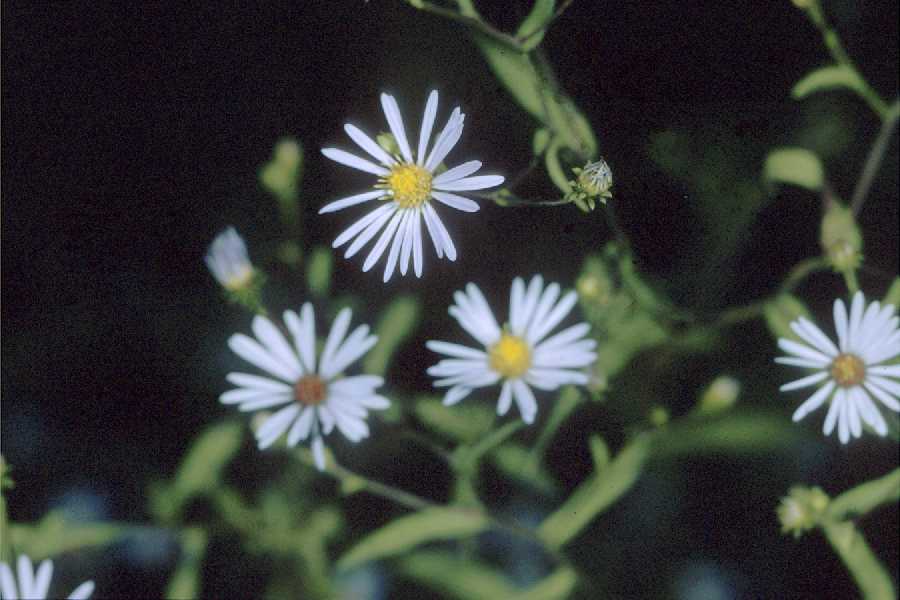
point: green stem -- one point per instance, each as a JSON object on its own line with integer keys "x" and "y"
{"x": 857, "y": 556}
{"x": 470, "y": 456}
{"x": 559, "y": 11}
{"x": 836, "y": 49}
{"x": 851, "y": 281}
{"x": 864, "y": 498}
{"x": 876, "y": 155}
{"x": 469, "y": 18}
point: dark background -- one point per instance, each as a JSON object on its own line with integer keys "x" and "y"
{"x": 133, "y": 135}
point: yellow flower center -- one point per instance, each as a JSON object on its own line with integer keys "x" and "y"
{"x": 510, "y": 356}
{"x": 410, "y": 184}
{"x": 309, "y": 390}
{"x": 239, "y": 280}
{"x": 848, "y": 370}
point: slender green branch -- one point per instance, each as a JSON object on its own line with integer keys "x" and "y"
{"x": 864, "y": 498}
{"x": 474, "y": 453}
{"x": 836, "y": 49}
{"x": 469, "y": 21}
{"x": 868, "y": 572}
{"x": 563, "y": 7}
{"x": 851, "y": 281}
{"x": 876, "y": 155}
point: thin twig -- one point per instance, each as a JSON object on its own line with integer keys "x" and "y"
{"x": 876, "y": 155}
{"x": 476, "y": 24}
{"x": 543, "y": 28}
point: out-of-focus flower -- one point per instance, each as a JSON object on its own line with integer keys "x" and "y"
{"x": 313, "y": 394}
{"x": 518, "y": 354}
{"x": 228, "y": 261}
{"x": 851, "y": 372}
{"x": 407, "y": 183}
{"x": 34, "y": 584}
{"x": 801, "y": 509}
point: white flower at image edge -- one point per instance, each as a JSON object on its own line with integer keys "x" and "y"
{"x": 312, "y": 394}
{"x": 852, "y": 371}
{"x": 34, "y": 584}
{"x": 520, "y": 355}
{"x": 228, "y": 261}
{"x": 407, "y": 183}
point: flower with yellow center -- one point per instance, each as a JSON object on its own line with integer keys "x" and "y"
{"x": 520, "y": 355}
{"x": 313, "y": 399}
{"x": 407, "y": 184}
{"x": 851, "y": 372}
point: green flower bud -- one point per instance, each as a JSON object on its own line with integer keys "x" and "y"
{"x": 592, "y": 182}
{"x": 841, "y": 239}
{"x": 801, "y": 509}
{"x": 721, "y": 395}
{"x": 388, "y": 143}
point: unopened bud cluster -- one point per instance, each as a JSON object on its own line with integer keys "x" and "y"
{"x": 592, "y": 183}
{"x": 801, "y": 509}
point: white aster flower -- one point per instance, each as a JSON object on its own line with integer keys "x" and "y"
{"x": 33, "y": 585}
{"x": 407, "y": 183}
{"x": 228, "y": 261}
{"x": 312, "y": 400}
{"x": 518, "y": 354}
{"x": 851, "y": 371}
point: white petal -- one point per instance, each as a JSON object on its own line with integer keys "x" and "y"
{"x": 454, "y": 201}
{"x": 479, "y": 182}
{"x": 561, "y": 339}
{"x": 556, "y": 377}
{"x": 417, "y": 243}
{"x": 395, "y": 122}
{"x": 25, "y": 571}
{"x": 454, "y": 350}
{"x": 443, "y": 235}
{"x": 525, "y": 400}
{"x": 799, "y": 362}
{"x": 318, "y": 450}
{"x": 559, "y": 312}
{"x": 807, "y": 330}
{"x": 42, "y": 577}
{"x": 548, "y": 298}
{"x": 326, "y": 418}
{"x": 792, "y": 347}
{"x": 884, "y": 350}
{"x": 302, "y": 427}
{"x": 856, "y": 313}
{"x": 358, "y": 226}
{"x": 519, "y": 319}
{"x": 566, "y": 360}
{"x": 239, "y": 395}
{"x": 463, "y": 170}
{"x": 255, "y": 382}
{"x": 356, "y": 385}
{"x": 446, "y": 140}
{"x": 886, "y": 371}
{"x": 261, "y": 402}
{"x": 870, "y": 327}
{"x": 350, "y": 201}
{"x": 83, "y": 591}
{"x": 853, "y": 416}
{"x": 427, "y": 125}
{"x": 274, "y": 426}
{"x": 882, "y": 395}
{"x": 381, "y": 244}
{"x": 451, "y": 367}
{"x": 466, "y": 323}
{"x": 804, "y": 382}
{"x": 355, "y": 347}
{"x": 303, "y": 329}
{"x": 844, "y": 421}
{"x": 7, "y": 582}
{"x": 869, "y": 411}
{"x": 506, "y": 398}
{"x": 406, "y": 247}
{"x": 369, "y": 145}
{"x": 251, "y": 351}
{"x": 482, "y": 311}
{"x": 886, "y": 384}
{"x": 841, "y": 323}
{"x": 269, "y": 335}
{"x": 353, "y": 161}
{"x": 833, "y": 412}
{"x": 455, "y": 395}
{"x": 395, "y": 248}
{"x": 374, "y": 402}
{"x": 369, "y": 232}
{"x": 338, "y": 330}
{"x": 433, "y": 232}
{"x": 473, "y": 379}
{"x": 814, "y": 401}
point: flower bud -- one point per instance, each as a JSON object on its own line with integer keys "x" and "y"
{"x": 388, "y": 143}
{"x": 721, "y": 395}
{"x": 592, "y": 182}
{"x": 801, "y": 509}
{"x": 841, "y": 239}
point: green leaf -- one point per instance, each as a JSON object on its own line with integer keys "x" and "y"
{"x": 864, "y": 498}
{"x": 534, "y": 24}
{"x": 741, "y": 433}
{"x": 893, "y": 293}
{"x": 794, "y": 166}
{"x": 597, "y": 493}
{"x": 456, "y": 577}
{"x": 466, "y": 423}
{"x": 599, "y": 452}
{"x": 516, "y": 72}
{"x": 185, "y": 581}
{"x": 201, "y": 470}
{"x": 554, "y": 167}
{"x": 557, "y": 586}
{"x": 405, "y": 533}
{"x": 780, "y": 311}
{"x": 318, "y": 271}
{"x": 540, "y": 141}
{"x": 395, "y": 325}
{"x": 829, "y": 78}
{"x": 515, "y": 461}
